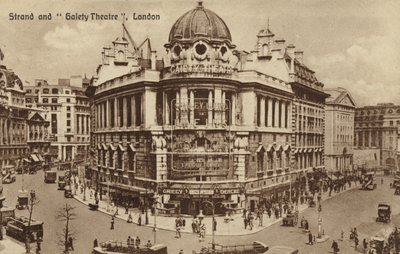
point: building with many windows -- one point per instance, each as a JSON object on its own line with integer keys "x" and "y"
{"x": 208, "y": 122}
{"x": 378, "y": 127}
{"x": 66, "y": 107}
{"x": 13, "y": 117}
{"x": 38, "y": 137}
{"x": 339, "y": 130}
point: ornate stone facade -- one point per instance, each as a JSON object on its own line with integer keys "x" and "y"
{"x": 206, "y": 122}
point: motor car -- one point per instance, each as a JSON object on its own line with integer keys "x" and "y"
{"x": 384, "y": 213}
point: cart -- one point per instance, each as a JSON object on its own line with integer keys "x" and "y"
{"x": 22, "y": 200}
{"x": 61, "y": 182}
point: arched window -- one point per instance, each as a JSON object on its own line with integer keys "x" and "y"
{"x": 120, "y": 157}
{"x": 260, "y": 158}
{"x": 131, "y": 159}
{"x": 111, "y": 151}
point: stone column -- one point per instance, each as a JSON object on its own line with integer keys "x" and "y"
{"x": 133, "y": 111}
{"x": 276, "y": 114}
{"x": 217, "y": 109}
{"x": 108, "y": 114}
{"x": 100, "y": 116}
{"x": 191, "y": 107}
{"x": 223, "y": 108}
{"x": 178, "y": 108}
{"x": 283, "y": 114}
{"x": 233, "y": 110}
{"x": 210, "y": 108}
{"x": 167, "y": 109}
{"x": 262, "y": 112}
{"x": 117, "y": 113}
{"x": 125, "y": 113}
{"x": 270, "y": 116}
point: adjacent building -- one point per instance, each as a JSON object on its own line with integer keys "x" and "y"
{"x": 339, "y": 130}
{"x": 38, "y": 137}
{"x": 66, "y": 108}
{"x": 13, "y": 117}
{"x": 207, "y": 122}
{"x": 378, "y": 127}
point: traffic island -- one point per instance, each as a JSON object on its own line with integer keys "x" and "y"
{"x": 322, "y": 239}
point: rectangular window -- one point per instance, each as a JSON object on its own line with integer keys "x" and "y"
{"x": 138, "y": 106}
{"x": 45, "y": 100}
{"x": 68, "y": 100}
{"x": 68, "y": 108}
{"x": 68, "y": 123}
{"x": 54, "y": 123}
{"x": 68, "y": 115}
{"x": 54, "y": 100}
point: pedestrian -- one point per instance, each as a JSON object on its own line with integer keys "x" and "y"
{"x": 148, "y": 244}
{"x": 126, "y": 209}
{"x": 128, "y": 241}
{"x": 181, "y": 252}
{"x": 38, "y": 241}
{"x": 245, "y": 222}
{"x": 95, "y": 243}
{"x": 381, "y": 180}
{"x": 112, "y": 223}
{"x": 178, "y": 231}
{"x": 71, "y": 243}
{"x": 356, "y": 242}
{"x": 214, "y": 224}
{"x": 365, "y": 244}
{"x": 140, "y": 220}
{"x": 310, "y": 238}
{"x": 335, "y": 247}
{"x": 194, "y": 225}
{"x": 137, "y": 242}
{"x": 342, "y": 235}
{"x": 129, "y": 218}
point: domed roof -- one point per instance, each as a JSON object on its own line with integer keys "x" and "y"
{"x": 200, "y": 23}
{"x": 9, "y": 79}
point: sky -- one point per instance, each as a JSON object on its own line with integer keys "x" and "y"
{"x": 348, "y": 43}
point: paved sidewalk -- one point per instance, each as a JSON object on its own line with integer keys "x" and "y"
{"x": 10, "y": 246}
{"x": 234, "y": 227}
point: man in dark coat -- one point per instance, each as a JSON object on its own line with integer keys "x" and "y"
{"x": 310, "y": 238}
{"x": 335, "y": 247}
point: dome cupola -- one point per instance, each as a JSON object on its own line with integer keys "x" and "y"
{"x": 200, "y": 23}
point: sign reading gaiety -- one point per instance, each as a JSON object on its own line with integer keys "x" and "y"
{"x": 201, "y": 68}
{"x": 200, "y": 191}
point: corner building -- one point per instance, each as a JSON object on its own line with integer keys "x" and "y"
{"x": 200, "y": 125}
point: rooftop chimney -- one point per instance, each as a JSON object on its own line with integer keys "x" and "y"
{"x": 298, "y": 55}
{"x": 279, "y": 45}
{"x": 290, "y": 50}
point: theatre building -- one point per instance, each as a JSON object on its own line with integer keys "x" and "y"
{"x": 205, "y": 123}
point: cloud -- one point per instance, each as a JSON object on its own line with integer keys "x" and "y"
{"x": 66, "y": 37}
{"x": 369, "y": 68}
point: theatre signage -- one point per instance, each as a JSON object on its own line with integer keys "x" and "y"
{"x": 187, "y": 191}
{"x": 201, "y": 68}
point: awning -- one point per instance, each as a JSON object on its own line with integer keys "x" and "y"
{"x": 26, "y": 160}
{"x": 130, "y": 188}
{"x": 260, "y": 148}
{"x": 112, "y": 147}
{"x": 296, "y": 150}
{"x": 98, "y": 147}
{"x": 278, "y": 147}
{"x": 104, "y": 146}
{"x": 34, "y": 158}
{"x": 310, "y": 150}
{"x": 286, "y": 147}
{"x": 40, "y": 157}
{"x": 121, "y": 148}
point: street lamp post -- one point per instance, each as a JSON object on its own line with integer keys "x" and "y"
{"x": 155, "y": 220}
{"x": 213, "y": 221}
